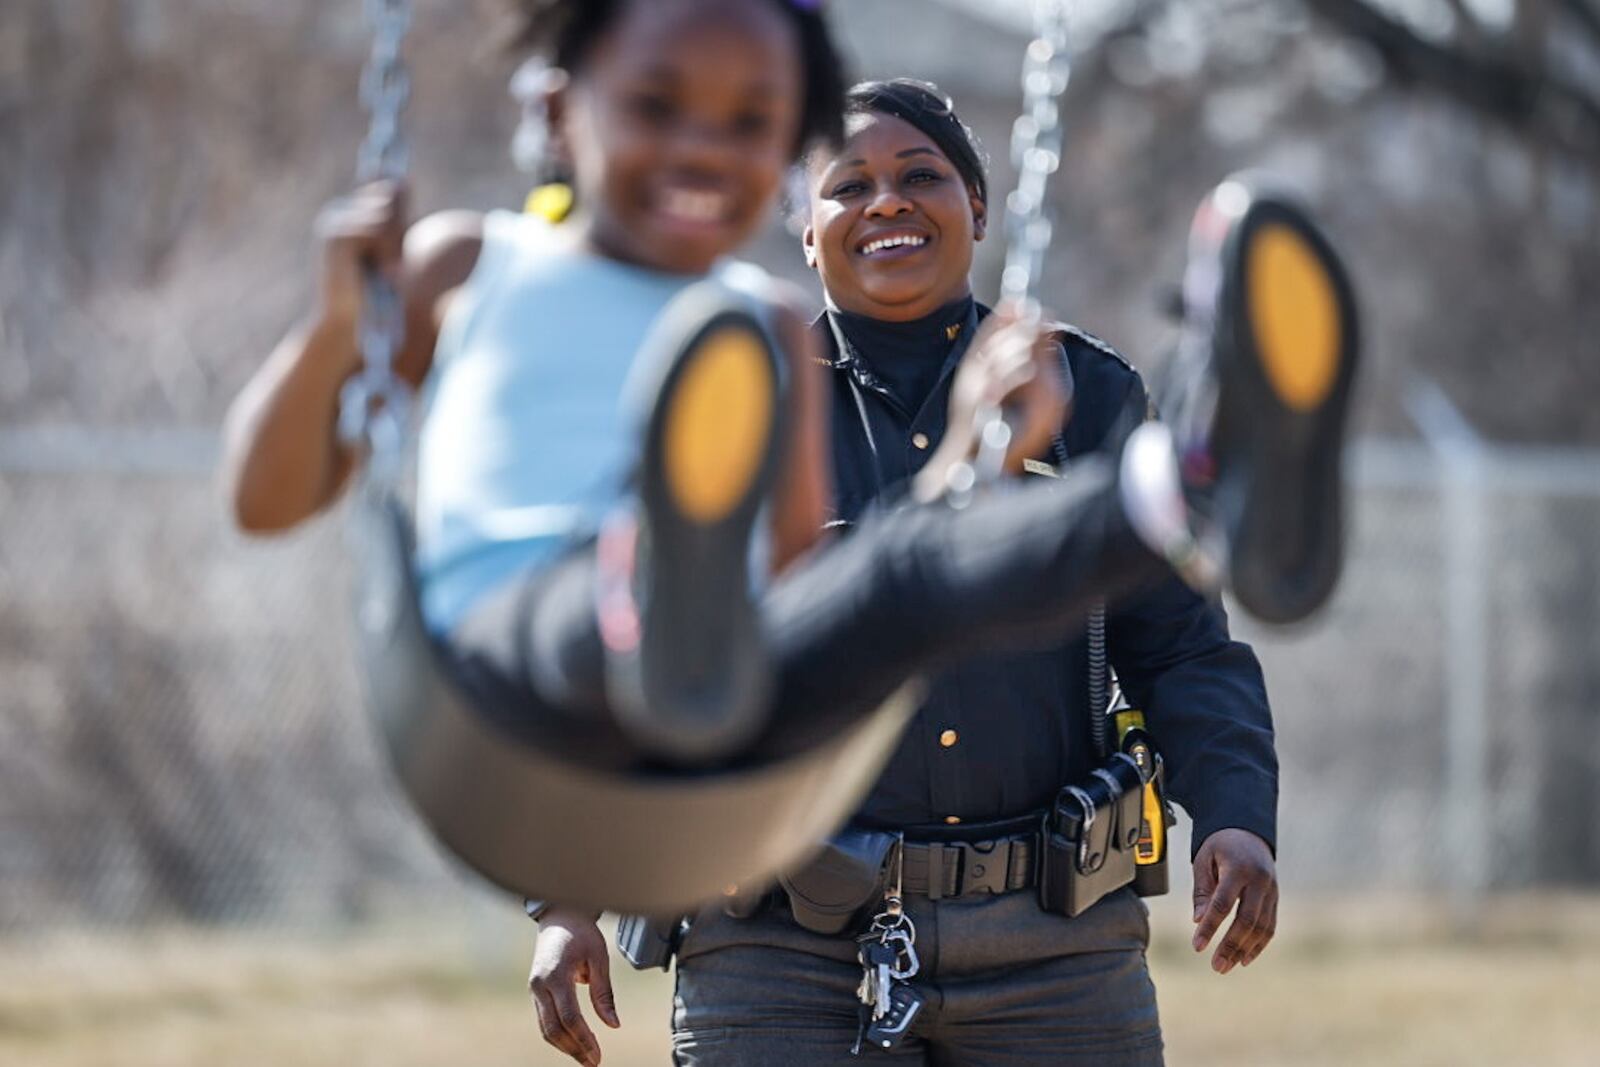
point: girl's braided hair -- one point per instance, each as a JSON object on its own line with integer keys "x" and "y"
{"x": 563, "y": 31}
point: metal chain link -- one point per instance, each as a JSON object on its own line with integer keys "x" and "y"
{"x": 374, "y": 406}
{"x": 1036, "y": 144}
{"x": 1037, "y": 141}
{"x": 385, "y": 91}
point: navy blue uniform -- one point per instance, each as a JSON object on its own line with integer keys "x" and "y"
{"x": 1006, "y": 982}
{"x": 1000, "y": 734}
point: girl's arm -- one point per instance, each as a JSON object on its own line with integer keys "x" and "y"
{"x": 282, "y": 459}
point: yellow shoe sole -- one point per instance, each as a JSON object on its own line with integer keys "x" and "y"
{"x": 718, "y": 424}
{"x": 1295, "y": 316}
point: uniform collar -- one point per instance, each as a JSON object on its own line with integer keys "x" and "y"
{"x": 840, "y": 354}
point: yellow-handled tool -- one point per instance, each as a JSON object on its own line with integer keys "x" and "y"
{"x": 1150, "y": 852}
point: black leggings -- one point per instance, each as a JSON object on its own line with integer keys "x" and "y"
{"x": 910, "y": 590}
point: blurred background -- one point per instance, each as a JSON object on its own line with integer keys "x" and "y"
{"x": 201, "y": 859}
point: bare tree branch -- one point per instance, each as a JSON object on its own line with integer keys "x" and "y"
{"x": 1585, "y": 15}
{"x": 1471, "y": 28}
{"x": 1530, "y": 23}
{"x": 1493, "y": 85}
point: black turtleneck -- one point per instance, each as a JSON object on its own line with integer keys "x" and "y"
{"x": 907, "y": 357}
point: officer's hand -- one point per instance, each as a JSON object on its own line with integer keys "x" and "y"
{"x": 570, "y": 950}
{"x": 1235, "y": 867}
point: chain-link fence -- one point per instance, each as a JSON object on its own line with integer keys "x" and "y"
{"x": 181, "y": 733}
{"x": 1439, "y": 722}
{"x": 180, "y": 729}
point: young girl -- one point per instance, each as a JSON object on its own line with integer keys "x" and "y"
{"x": 616, "y": 412}
{"x": 677, "y": 122}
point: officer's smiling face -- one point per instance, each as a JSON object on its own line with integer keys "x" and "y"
{"x": 892, "y": 223}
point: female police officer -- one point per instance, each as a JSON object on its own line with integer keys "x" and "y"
{"x": 891, "y": 227}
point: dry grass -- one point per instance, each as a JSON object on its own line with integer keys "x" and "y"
{"x": 1383, "y": 983}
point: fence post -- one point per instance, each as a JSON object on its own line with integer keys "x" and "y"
{"x": 1469, "y": 829}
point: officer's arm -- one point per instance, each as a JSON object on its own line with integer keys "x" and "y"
{"x": 571, "y": 951}
{"x": 1206, "y": 704}
{"x": 1203, "y": 693}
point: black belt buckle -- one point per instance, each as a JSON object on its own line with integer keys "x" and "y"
{"x": 985, "y": 866}
{"x": 964, "y": 868}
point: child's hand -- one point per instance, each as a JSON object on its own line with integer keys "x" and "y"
{"x": 363, "y": 230}
{"x": 1015, "y": 366}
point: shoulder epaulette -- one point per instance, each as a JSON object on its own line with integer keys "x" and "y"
{"x": 1089, "y": 339}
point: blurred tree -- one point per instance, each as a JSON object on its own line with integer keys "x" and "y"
{"x": 164, "y": 155}
{"x": 1531, "y": 64}
{"x": 1453, "y": 146}
{"x": 161, "y": 160}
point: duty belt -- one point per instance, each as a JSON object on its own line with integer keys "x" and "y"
{"x": 966, "y": 868}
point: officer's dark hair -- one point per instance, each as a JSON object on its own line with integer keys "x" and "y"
{"x": 924, "y": 106}
{"x": 563, "y": 32}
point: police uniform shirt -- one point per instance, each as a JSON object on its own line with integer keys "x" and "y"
{"x": 999, "y": 735}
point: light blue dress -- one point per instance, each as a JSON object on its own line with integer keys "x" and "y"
{"x": 526, "y": 439}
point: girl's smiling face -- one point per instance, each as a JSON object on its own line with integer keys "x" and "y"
{"x": 679, "y": 125}
{"x": 892, "y": 223}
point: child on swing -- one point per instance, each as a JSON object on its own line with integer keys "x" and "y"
{"x": 624, "y": 432}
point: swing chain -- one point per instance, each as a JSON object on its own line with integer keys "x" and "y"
{"x": 385, "y": 90}
{"x": 1036, "y": 145}
{"x": 374, "y": 405}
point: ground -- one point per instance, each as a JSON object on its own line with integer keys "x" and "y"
{"x": 1376, "y": 982}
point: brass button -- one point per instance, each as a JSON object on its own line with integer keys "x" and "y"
{"x": 730, "y": 890}
{"x": 949, "y": 738}
{"x": 952, "y": 820}
{"x": 920, "y": 440}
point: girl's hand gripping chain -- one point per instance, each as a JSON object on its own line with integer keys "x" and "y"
{"x": 357, "y": 234}
{"x": 1007, "y": 402}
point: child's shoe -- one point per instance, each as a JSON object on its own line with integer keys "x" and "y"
{"x": 687, "y": 674}
{"x": 1243, "y": 483}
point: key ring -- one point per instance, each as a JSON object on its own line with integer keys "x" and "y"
{"x": 896, "y": 926}
{"x": 906, "y": 961}
{"x": 894, "y": 901}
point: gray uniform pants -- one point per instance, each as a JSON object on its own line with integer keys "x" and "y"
{"x": 1006, "y": 985}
